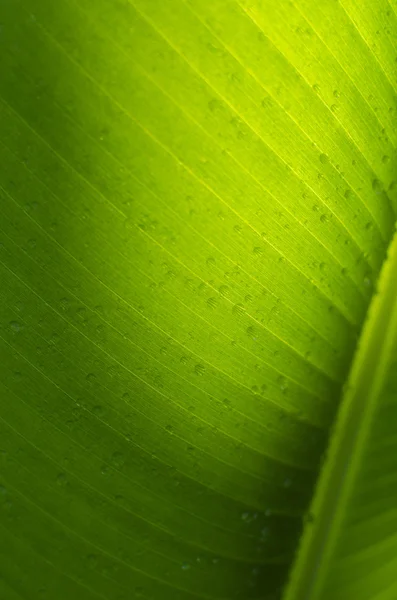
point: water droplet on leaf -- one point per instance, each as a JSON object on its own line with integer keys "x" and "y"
{"x": 15, "y": 326}
{"x": 199, "y": 370}
{"x": 377, "y": 186}
{"x": 324, "y": 159}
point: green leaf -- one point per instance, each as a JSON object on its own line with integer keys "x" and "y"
{"x": 196, "y": 201}
{"x": 348, "y": 549}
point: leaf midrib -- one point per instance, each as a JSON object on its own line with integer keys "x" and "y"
{"x": 358, "y": 406}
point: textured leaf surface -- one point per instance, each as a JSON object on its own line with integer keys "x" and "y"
{"x": 196, "y": 200}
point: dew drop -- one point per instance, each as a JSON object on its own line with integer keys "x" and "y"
{"x": 15, "y": 326}
{"x": 92, "y": 561}
{"x": 283, "y": 383}
{"x": 199, "y": 370}
{"x": 61, "y": 479}
{"x": 367, "y": 282}
{"x": 264, "y": 534}
{"x": 117, "y": 459}
{"x": 213, "y": 104}
{"x": 223, "y": 290}
{"x": 64, "y": 303}
{"x": 212, "y": 302}
{"x": 98, "y": 410}
{"x": 238, "y": 309}
{"x": 227, "y": 403}
{"x": 324, "y": 159}
{"x": 377, "y": 186}
{"x": 251, "y": 332}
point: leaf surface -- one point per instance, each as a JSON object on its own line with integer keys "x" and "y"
{"x": 196, "y": 202}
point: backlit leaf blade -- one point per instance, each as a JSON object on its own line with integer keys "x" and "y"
{"x": 196, "y": 200}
